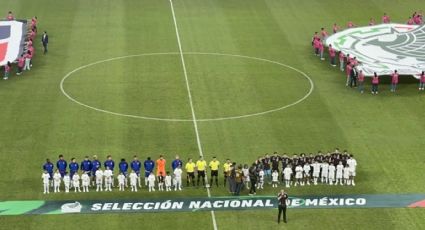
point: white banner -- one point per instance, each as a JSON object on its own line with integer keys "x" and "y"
{"x": 11, "y": 40}
{"x": 384, "y": 48}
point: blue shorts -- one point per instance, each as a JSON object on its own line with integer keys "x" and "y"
{"x": 62, "y": 173}
{"x": 51, "y": 175}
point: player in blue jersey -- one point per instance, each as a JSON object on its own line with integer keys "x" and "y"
{"x": 48, "y": 167}
{"x": 149, "y": 166}
{"x": 95, "y": 166}
{"x": 123, "y": 166}
{"x": 176, "y": 163}
{"x": 136, "y": 165}
{"x": 109, "y": 163}
{"x": 61, "y": 165}
{"x": 86, "y": 165}
{"x": 73, "y": 167}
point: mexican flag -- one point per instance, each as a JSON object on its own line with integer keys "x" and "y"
{"x": 12, "y": 40}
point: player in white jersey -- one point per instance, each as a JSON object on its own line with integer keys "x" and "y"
{"x": 325, "y": 172}
{"x": 316, "y": 171}
{"x": 245, "y": 172}
{"x": 178, "y": 178}
{"x": 260, "y": 184}
{"x": 161, "y": 179}
{"x": 121, "y": 181}
{"x": 346, "y": 175}
{"x": 56, "y": 181}
{"x": 331, "y": 174}
{"x": 151, "y": 182}
{"x": 339, "y": 169}
{"x": 275, "y": 178}
{"x": 352, "y": 164}
{"x": 99, "y": 180}
{"x": 133, "y": 181}
{"x": 168, "y": 182}
{"x": 76, "y": 182}
{"x": 299, "y": 175}
{"x": 108, "y": 179}
{"x": 85, "y": 178}
{"x": 46, "y": 179}
{"x": 307, "y": 173}
{"x": 66, "y": 182}
{"x": 287, "y": 172}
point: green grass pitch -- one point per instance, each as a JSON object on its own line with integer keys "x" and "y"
{"x": 385, "y": 132}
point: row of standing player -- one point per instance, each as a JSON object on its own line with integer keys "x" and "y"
{"x": 106, "y": 178}
{"x": 330, "y": 168}
{"x": 91, "y": 172}
{"x": 24, "y": 62}
{"x": 354, "y": 78}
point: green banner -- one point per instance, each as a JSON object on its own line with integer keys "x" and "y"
{"x": 206, "y": 204}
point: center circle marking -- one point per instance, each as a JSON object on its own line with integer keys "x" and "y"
{"x": 187, "y": 120}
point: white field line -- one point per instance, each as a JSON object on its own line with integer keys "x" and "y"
{"x": 189, "y": 94}
{"x": 68, "y": 75}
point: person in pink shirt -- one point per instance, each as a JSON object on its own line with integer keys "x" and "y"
{"x": 332, "y": 54}
{"x": 29, "y": 43}
{"x": 321, "y": 50}
{"x": 422, "y": 81}
{"x": 418, "y": 19}
{"x": 361, "y": 81}
{"x": 410, "y": 21}
{"x": 21, "y": 63}
{"x": 375, "y": 83}
{"x": 316, "y": 46}
{"x": 34, "y": 23}
{"x": 32, "y": 34}
{"x": 335, "y": 28}
{"x": 350, "y": 24}
{"x": 371, "y": 22}
{"x": 7, "y": 68}
{"x": 315, "y": 37}
{"x": 324, "y": 34}
{"x": 348, "y": 72}
{"x": 354, "y": 61}
{"x": 10, "y": 16}
{"x": 385, "y": 18}
{"x": 341, "y": 61}
{"x": 394, "y": 81}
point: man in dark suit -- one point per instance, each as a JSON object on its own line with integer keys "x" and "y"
{"x": 45, "y": 41}
{"x": 282, "y": 197}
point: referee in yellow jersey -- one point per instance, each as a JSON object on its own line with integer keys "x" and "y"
{"x": 226, "y": 169}
{"x": 190, "y": 171}
{"x": 201, "y": 166}
{"x": 214, "y": 165}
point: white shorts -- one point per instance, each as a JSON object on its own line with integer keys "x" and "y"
{"x": 316, "y": 174}
{"x": 287, "y": 177}
{"x": 352, "y": 173}
{"x": 338, "y": 176}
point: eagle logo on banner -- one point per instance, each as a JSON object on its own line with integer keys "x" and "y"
{"x": 384, "y": 48}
